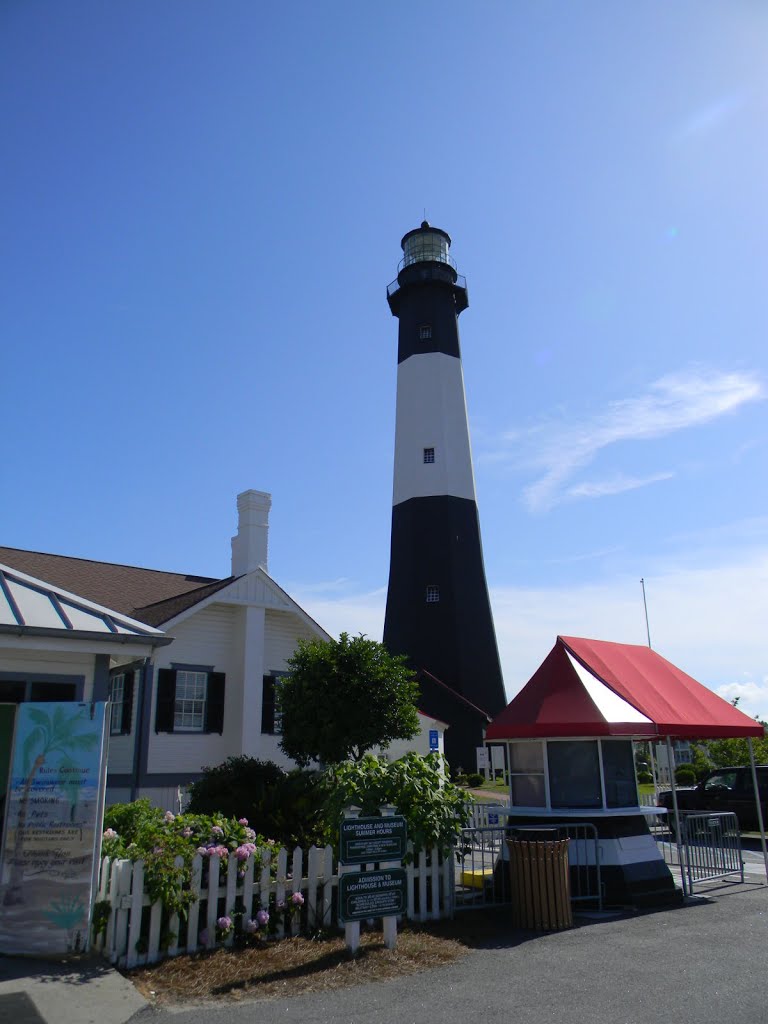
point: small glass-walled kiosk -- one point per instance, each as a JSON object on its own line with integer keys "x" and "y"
{"x": 565, "y": 775}
{"x": 592, "y": 780}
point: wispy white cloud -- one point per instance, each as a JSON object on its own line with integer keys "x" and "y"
{"x": 349, "y": 611}
{"x": 707, "y": 619}
{"x": 616, "y": 485}
{"x": 583, "y": 556}
{"x": 674, "y": 402}
{"x": 709, "y": 118}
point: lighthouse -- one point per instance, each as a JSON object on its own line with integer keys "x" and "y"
{"x": 438, "y": 612}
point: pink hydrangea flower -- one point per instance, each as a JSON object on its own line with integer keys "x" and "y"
{"x": 204, "y": 851}
{"x": 224, "y": 924}
{"x": 222, "y": 851}
{"x": 244, "y": 851}
{"x": 251, "y": 926}
{"x": 242, "y": 821}
{"x": 250, "y": 835}
{"x": 169, "y": 816}
{"x": 297, "y": 899}
{"x": 187, "y": 832}
{"x": 262, "y": 917}
{"x": 109, "y": 834}
{"x": 217, "y": 831}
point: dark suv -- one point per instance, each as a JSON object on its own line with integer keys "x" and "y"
{"x": 725, "y": 789}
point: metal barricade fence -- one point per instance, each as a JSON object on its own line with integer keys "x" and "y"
{"x": 482, "y": 870}
{"x": 710, "y": 846}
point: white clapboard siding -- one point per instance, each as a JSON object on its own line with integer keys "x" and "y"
{"x": 282, "y": 633}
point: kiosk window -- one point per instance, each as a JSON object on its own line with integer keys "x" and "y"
{"x": 574, "y": 774}
{"x": 526, "y": 769}
{"x": 619, "y": 774}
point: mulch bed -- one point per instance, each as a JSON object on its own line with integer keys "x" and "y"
{"x": 294, "y": 966}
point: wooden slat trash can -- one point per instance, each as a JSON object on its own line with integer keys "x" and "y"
{"x": 540, "y": 880}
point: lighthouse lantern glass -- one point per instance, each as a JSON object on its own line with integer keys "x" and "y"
{"x": 426, "y": 246}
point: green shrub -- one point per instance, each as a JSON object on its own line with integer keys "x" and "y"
{"x": 160, "y": 837}
{"x": 435, "y": 810}
{"x": 645, "y": 778}
{"x": 685, "y": 775}
{"x": 475, "y": 779}
{"x": 130, "y": 821}
{"x": 284, "y": 805}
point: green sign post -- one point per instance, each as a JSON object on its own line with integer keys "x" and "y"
{"x": 372, "y": 840}
{"x": 367, "y": 894}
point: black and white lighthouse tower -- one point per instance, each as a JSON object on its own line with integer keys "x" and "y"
{"x": 438, "y": 612}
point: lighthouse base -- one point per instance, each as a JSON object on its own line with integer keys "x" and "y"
{"x": 632, "y": 871}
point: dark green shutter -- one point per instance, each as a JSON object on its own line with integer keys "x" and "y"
{"x": 214, "y": 706}
{"x": 166, "y": 700}
{"x": 268, "y": 705}
{"x": 125, "y": 728}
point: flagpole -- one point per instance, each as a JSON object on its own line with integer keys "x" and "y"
{"x": 645, "y": 606}
{"x": 650, "y": 745}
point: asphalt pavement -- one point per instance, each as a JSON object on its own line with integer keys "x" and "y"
{"x": 703, "y": 962}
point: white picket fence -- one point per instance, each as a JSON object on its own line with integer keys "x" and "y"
{"x": 487, "y": 815}
{"x": 430, "y": 889}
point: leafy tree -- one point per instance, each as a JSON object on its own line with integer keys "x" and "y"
{"x": 733, "y": 752}
{"x": 343, "y": 698}
{"x": 435, "y": 810}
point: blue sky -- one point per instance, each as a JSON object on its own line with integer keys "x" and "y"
{"x": 201, "y": 209}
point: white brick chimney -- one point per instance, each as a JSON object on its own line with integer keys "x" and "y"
{"x": 249, "y": 547}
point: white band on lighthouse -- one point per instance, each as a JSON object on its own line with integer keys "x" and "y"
{"x": 432, "y": 413}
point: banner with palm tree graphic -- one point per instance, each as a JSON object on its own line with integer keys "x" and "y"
{"x": 52, "y": 828}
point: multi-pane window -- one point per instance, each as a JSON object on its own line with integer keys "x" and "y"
{"x": 433, "y": 594}
{"x": 190, "y": 699}
{"x": 425, "y": 332}
{"x": 117, "y": 702}
{"x": 191, "y": 695}
{"x": 429, "y": 455}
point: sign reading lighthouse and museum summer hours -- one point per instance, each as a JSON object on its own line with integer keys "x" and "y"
{"x": 52, "y": 828}
{"x": 364, "y": 894}
{"x": 371, "y": 840}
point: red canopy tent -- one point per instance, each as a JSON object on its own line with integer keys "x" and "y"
{"x": 594, "y": 688}
{"x": 597, "y": 688}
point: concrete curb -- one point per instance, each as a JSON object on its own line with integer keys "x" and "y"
{"x": 74, "y": 990}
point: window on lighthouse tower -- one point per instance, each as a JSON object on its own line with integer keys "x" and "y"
{"x": 425, "y": 332}
{"x": 429, "y": 455}
{"x": 433, "y": 594}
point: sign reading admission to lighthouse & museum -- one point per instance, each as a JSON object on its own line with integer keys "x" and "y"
{"x": 52, "y": 828}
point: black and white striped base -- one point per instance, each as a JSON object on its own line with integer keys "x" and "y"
{"x": 633, "y": 872}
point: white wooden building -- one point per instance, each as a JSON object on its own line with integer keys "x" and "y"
{"x": 192, "y": 681}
